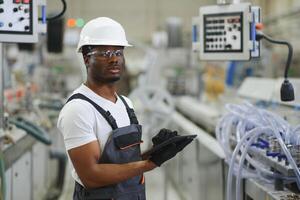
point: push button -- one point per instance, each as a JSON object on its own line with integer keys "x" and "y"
{"x": 1, "y": 10}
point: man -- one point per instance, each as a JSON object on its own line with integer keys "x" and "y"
{"x": 101, "y": 133}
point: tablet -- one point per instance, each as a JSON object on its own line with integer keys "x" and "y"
{"x": 174, "y": 139}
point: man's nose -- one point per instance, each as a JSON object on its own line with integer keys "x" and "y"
{"x": 113, "y": 58}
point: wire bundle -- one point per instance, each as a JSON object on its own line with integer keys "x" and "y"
{"x": 246, "y": 126}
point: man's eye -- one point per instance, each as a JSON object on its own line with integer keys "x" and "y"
{"x": 119, "y": 54}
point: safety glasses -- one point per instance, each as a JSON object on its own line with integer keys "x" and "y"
{"x": 106, "y": 54}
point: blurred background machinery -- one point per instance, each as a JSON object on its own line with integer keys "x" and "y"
{"x": 214, "y": 75}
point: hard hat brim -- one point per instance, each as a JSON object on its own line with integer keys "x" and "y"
{"x": 79, "y": 48}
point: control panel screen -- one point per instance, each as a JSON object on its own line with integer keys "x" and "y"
{"x": 223, "y": 32}
{"x": 16, "y": 17}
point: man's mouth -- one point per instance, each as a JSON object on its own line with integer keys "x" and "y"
{"x": 114, "y": 70}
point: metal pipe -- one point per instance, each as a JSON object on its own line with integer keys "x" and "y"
{"x": 236, "y": 1}
{"x": 1, "y": 88}
{"x": 203, "y": 137}
{"x": 61, "y": 158}
{"x": 224, "y": 2}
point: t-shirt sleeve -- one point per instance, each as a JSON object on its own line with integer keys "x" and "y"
{"x": 76, "y": 123}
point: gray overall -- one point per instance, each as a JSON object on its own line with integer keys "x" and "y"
{"x": 123, "y": 146}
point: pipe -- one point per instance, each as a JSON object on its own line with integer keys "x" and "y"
{"x": 258, "y": 120}
{"x": 205, "y": 139}
{"x": 225, "y": 2}
{"x": 254, "y": 131}
{"x": 32, "y": 129}
{"x": 61, "y": 157}
{"x": 2, "y": 176}
{"x": 238, "y": 179}
{"x": 1, "y": 88}
{"x": 222, "y": 2}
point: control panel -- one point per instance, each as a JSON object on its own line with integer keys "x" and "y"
{"x": 223, "y": 33}
{"x": 18, "y": 21}
{"x": 226, "y": 32}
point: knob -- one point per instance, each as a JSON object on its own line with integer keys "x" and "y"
{"x": 228, "y": 46}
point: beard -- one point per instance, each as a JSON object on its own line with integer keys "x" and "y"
{"x": 111, "y": 80}
{"x": 105, "y": 79}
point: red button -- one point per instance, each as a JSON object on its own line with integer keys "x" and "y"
{"x": 17, "y": 1}
{"x": 26, "y": 1}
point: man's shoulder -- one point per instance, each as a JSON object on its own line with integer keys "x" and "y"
{"x": 128, "y": 101}
{"x": 77, "y": 106}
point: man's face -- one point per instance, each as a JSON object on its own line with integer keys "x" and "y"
{"x": 105, "y": 64}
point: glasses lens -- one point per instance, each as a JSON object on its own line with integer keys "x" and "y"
{"x": 107, "y": 54}
{"x": 119, "y": 53}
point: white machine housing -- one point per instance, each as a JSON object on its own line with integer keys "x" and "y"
{"x": 19, "y": 20}
{"x": 226, "y": 32}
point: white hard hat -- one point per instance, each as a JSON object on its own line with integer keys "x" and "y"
{"x": 102, "y": 31}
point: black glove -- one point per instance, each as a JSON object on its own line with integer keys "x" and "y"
{"x": 169, "y": 151}
{"x": 163, "y": 135}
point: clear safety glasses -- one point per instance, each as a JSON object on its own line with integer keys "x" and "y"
{"x": 106, "y": 54}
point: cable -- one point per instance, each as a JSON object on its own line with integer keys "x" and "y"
{"x": 290, "y": 54}
{"x": 58, "y": 15}
{"x": 287, "y": 90}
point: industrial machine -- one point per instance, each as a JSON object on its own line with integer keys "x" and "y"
{"x": 19, "y": 20}
{"x": 227, "y": 32}
{"x": 261, "y": 148}
{"x": 29, "y": 143}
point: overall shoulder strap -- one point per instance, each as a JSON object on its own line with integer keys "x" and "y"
{"x": 130, "y": 112}
{"x": 106, "y": 114}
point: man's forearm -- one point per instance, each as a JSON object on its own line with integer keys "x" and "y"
{"x": 108, "y": 174}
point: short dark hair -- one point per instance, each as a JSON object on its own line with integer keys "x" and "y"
{"x": 86, "y": 49}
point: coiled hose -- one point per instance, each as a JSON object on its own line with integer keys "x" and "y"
{"x": 244, "y": 124}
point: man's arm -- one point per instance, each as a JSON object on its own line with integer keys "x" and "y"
{"x": 85, "y": 161}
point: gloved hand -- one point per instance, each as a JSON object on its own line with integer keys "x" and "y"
{"x": 163, "y": 135}
{"x": 169, "y": 151}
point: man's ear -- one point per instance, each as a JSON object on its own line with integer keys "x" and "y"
{"x": 86, "y": 60}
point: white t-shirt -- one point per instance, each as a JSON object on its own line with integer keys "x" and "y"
{"x": 80, "y": 123}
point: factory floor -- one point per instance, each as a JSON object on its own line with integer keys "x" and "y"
{"x": 154, "y": 187}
